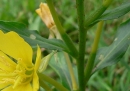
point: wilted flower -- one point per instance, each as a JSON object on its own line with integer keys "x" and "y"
{"x": 17, "y": 72}
{"x": 45, "y": 15}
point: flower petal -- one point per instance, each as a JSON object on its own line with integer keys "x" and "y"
{"x": 26, "y": 87}
{"x": 3, "y": 85}
{"x": 38, "y": 58}
{"x": 13, "y": 45}
{"x": 35, "y": 82}
{"x": 45, "y": 14}
{"x": 6, "y": 64}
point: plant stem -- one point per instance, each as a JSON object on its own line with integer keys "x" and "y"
{"x": 43, "y": 85}
{"x": 88, "y": 22}
{"x": 74, "y": 83}
{"x": 80, "y": 60}
{"x": 106, "y": 3}
{"x": 92, "y": 56}
{"x": 52, "y": 81}
{"x": 82, "y": 42}
{"x": 97, "y": 13}
{"x": 63, "y": 34}
{"x": 73, "y": 79}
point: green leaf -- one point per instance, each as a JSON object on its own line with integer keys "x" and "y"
{"x": 32, "y": 37}
{"x": 58, "y": 63}
{"x": 114, "y": 13}
{"x": 125, "y": 60}
{"x": 112, "y": 54}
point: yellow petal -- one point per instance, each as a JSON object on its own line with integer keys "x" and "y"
{"x": 3, "y": 85}
{"x": 6, "y": 64}
{"x": 35, "y": 82}
{"x": 13, "y": 45}
{"x": 38, "y": 11}
{"x": 26, "y": 87}
{"x": 38, "y": 58}
{"x": 9, "y": 88}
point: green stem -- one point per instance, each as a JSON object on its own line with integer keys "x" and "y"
{"x": 97, "y": 13}
{"x": 74, "y": 83}
{"x": 43, "y": 85}
{"x": 80, "y": 13}
{"x": 52, "y": 81}
{"x": 92, "y": 56}
{"x": 64, "y": 36}
{"x": 82, "y": 42}
{"x": 73, "y": 79}
{"x": 80, "y": 60}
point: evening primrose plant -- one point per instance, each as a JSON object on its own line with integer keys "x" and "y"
{"x": 17, "y": 70}
{"x": 20, "y": 71}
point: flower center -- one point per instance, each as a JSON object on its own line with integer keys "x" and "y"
{"x": 24, "y": 74}
{"x": 21, "y": 75}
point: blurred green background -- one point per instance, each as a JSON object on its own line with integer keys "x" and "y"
{"x": 113, "y": 78}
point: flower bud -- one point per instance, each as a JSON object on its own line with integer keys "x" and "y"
{"x": 45, "y": 15}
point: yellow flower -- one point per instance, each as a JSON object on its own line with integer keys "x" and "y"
{"x": 45, "y": 15}
{"x": 17, "y": 72}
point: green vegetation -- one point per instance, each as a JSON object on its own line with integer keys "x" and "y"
{"x": 110, "y": 78}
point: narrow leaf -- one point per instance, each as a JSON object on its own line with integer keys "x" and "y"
{"x": 114, "y": 13}
{"x": 32, "y": 37}
{"x": 112, "y": 54}
{"x": 58, "y": 63}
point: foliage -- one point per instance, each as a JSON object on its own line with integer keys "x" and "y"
{"x": 113, "y": 46}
